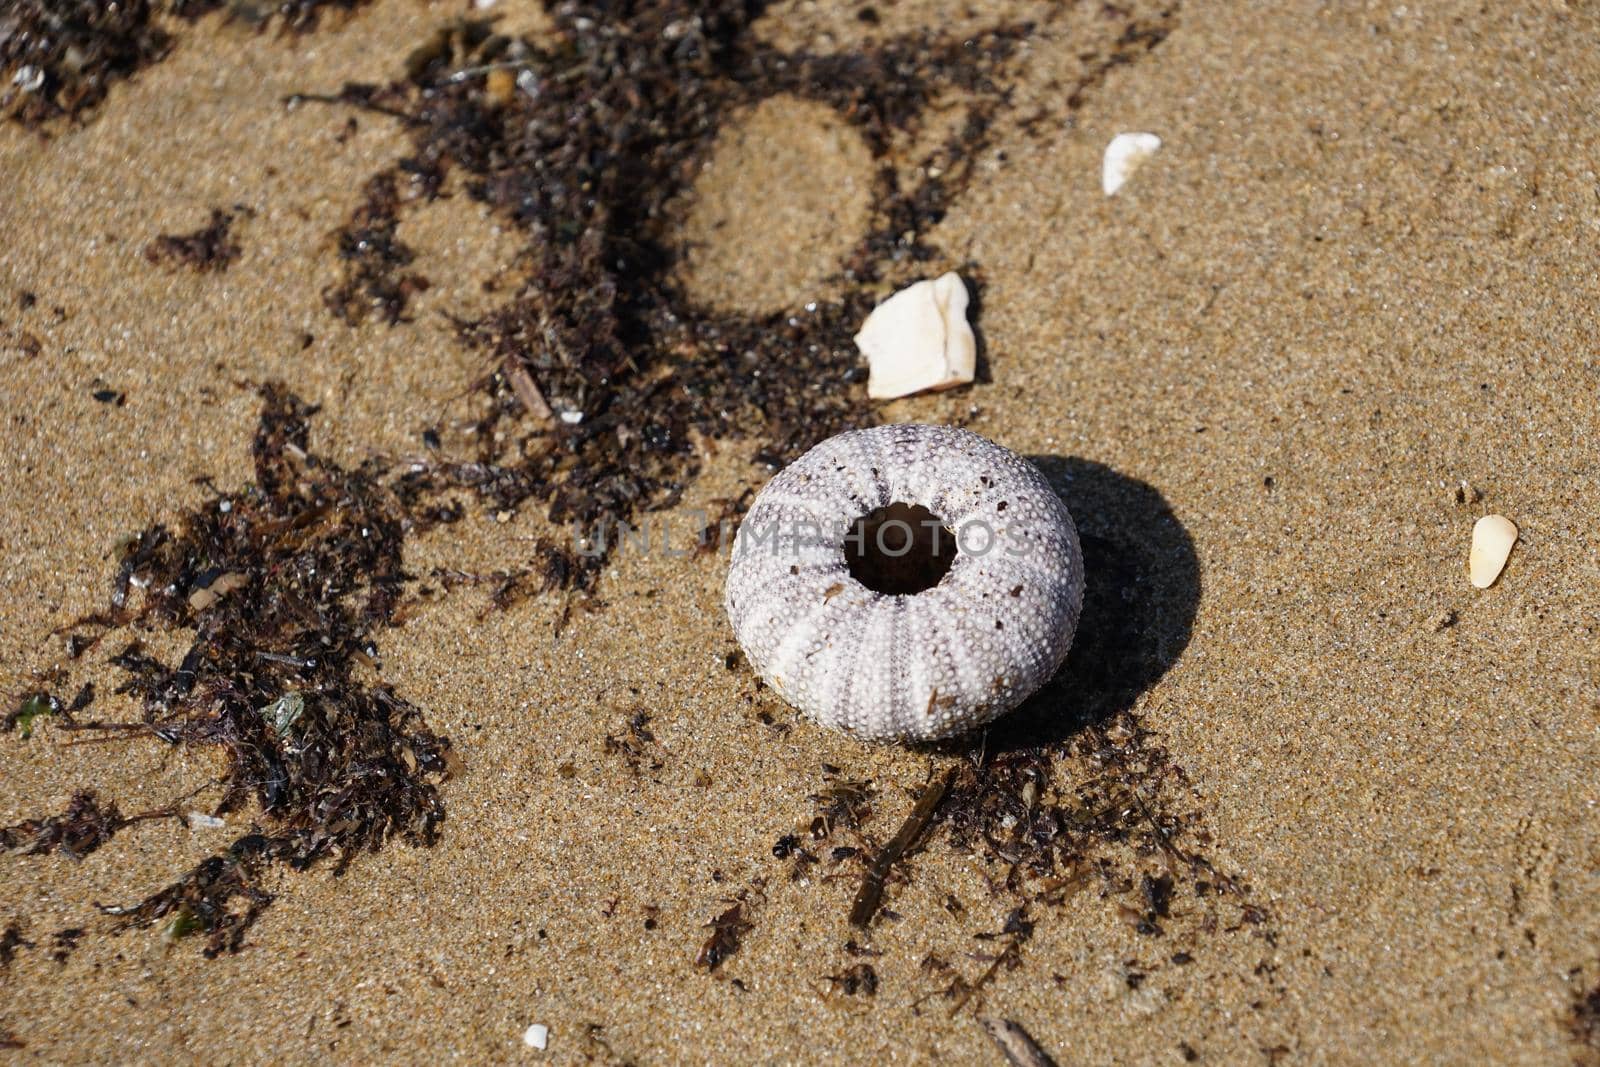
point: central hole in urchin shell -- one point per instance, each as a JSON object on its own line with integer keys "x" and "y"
{"x": 900, "y": 549}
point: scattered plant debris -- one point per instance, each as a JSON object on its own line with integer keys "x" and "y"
{"x": 280, "y": 677}
{"x": 1017, "y": 930}
{"x": 636, "y": 744}
{"x": 210, "y": 248}
{"x": 1094, "y": 813}
{"x": 59, "y": 57}
{"x": 293, "y": 16}
{"x": 841, "y": 803}
{"x": 63, "y": 943}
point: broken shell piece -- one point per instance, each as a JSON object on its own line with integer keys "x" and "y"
{"x": 202, "y": 598}
{"x": 919, "y": 339}
{"x": 1492, "y": 538}
{"x": 1125, "y": 154}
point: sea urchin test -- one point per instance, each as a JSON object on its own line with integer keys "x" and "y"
{"x": 906, "y": 583}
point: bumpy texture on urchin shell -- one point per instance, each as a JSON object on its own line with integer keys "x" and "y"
{"x": 919, "y": 667}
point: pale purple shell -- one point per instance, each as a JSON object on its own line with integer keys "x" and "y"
{"x": 906, "y": 667}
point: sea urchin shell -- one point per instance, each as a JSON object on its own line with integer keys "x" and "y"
{"x": 906, "y": 582}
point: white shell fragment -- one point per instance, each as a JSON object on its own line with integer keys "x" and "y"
{"x": 1125, "y": 154}
{"x": 1492, "y": 539}
{"x": 906, "y": 666}
{"x": 919, "y": 339}
{"x": 536, "y": 1036}
{"x": 29, "y": 78}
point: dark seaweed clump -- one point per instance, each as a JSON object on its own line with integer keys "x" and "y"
{"x": 373, "y": 258}
{"x": 1585, "y": 1022}
{"x": 76, "y": 832}
{"x": 210, "y": 248}
{"x": 11, "y": 940}
{"x": 59, "y": 58}
{"x": 284, "y": 585}
{"x": 588, "y": 143}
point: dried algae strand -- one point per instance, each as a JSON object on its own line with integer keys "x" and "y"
{"x": 871, "y": 893}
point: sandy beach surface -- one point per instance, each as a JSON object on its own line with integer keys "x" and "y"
{"x": 1349, "y": 307}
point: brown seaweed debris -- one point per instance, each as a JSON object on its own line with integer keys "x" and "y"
{"x": 1099, "y": 813}
{"x": 860, "y": 980}
{"x": 1104, "y": 814}
{"x": 284, "y": 584}
{"x": 76, "y": 832}
{"x": 590, "y": 157}
{"x": 727, "y": 929}
{"x": 1095, "y": 805}
{"x": 637, "y": 744}
{"x": 210, "y": 248}
{"x": 1018, "y": 929}
{"x": 64, "y": 942}
{"x": 59, "y": 58}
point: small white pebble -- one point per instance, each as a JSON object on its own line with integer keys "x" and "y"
{"x": 536, "y": 1036}
{"x": 1124, "y": 155}
{"x": 1492, "y": 538}
{"x": 919, "y": 339}
{"x": 28, "y": 78}
{"x": 572, "y": 418}
{"x": 201, "y": 821}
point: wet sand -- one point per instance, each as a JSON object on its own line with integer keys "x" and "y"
{"x": 1362, "y": 271}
